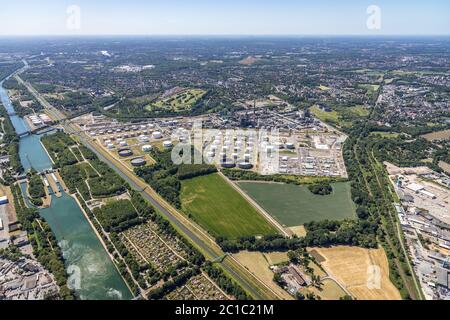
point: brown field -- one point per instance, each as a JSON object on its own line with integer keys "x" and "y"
{"x": 444, "y": 166}
{"x": 349, "y": 266}
{"x": 257, "y": 264}
{"x": 329, "y": 290}
{"x": 438, "y": 135}
{"x": 249, "y": 61}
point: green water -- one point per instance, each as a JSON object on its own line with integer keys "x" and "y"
{"x": 294, "y": 205}
{"x": 99, "y": 278}
{"x": 95, "y": 276}
{"x": 32, "y": 155}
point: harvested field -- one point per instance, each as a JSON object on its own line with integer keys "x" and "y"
{"x": 350, "y": 266}
{"x": 299, "y": 231}
{"x": 249, "y": 61}
{"x": 438, "y": 135}
{"x": 329, "y": 290}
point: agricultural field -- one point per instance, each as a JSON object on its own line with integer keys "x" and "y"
{"x": 388, "y": 135}
{"x": 179, "y": 102}
{"x": 329, "y": 290}
{"x": 220, "y": 209}
{"x": 332, "y": 116}
{"x": 370, "y": 88}
{"x": 360, "y": 111}
{"x": 350, "y": 266}
{"x": 294, "y": 205}
{"x": 324, "y": 88}
{"x": 249, "y": 61}
{"x": 439, "y": 135}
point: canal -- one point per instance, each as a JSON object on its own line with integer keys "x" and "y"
{"x": 94, "y": 274}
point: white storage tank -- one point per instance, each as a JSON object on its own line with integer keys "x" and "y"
{"x": 290, "y": 146}
{"x": 147, "y": 148}
{"x": 167, "y": 144}
{"x": 157, "y": 135}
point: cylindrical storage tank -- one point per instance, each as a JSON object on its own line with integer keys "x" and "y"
{"x": 167, "y": 144}
{"x": 245, "y": 165}
{"x": 213, "y": 148}
{"x": 225, "y": 148}
{"x": 138, "y": 162}
{"x": 147, "y": 148}
{"x": 228, "y": 164}
{"x": 157, "y": 135}
{"x": 234, "y": 155}
{"x": 125, "y": 152}
{"x": 290, "y": 145}
{"x": 222, "y": 155}
{"x": 246, "y": 157}
{"x": 123, "y": 143}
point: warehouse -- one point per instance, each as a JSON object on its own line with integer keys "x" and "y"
{"x": 415, "y": 187}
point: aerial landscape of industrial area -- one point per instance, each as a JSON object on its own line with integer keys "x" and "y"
{"x": 224, "y": 168}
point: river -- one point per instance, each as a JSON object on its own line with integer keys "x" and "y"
{"x": 95, "y": 276}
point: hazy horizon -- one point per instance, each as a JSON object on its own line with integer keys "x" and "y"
{"x": 230, "y": 18}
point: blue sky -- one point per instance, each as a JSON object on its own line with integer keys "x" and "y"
{"x": 230, "y": 17}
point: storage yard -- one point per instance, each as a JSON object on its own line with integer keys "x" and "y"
{"x": 309, "y": 150}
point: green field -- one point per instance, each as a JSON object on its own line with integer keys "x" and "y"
{"x": 220, "y": 209}
{"x": 370, "y": 88}
{"x": 181, "y": 101}
{"x": 332, "y": 116}
{"x": 294, "y": 205}
{"x": 389, "y": 135}
{"x": 360, "y": 111}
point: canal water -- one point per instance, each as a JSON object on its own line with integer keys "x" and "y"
{"x": 90, "y": 266}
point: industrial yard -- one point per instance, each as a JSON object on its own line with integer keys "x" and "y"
{"x": 305, "y": 150}
{"x": 25, "y": 279}
{"x": 424, "y": 216}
